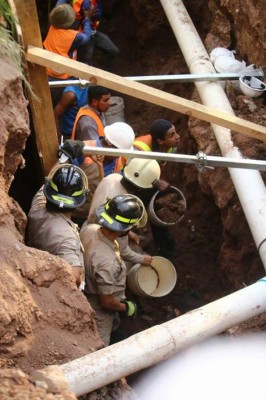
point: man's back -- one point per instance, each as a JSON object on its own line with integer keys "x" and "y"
{"x": 109, "y": 187}
{"x": 53, "y": 232}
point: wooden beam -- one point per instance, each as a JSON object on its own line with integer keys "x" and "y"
{"x": 39, "y": 95}
{"x": 115, "y": 82}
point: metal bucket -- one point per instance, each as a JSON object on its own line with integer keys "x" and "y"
{"x": 156, "y": 280}
{"x": 152, "y": 205}
{"x": 116, "y": 111}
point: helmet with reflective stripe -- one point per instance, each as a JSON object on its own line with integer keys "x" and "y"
{"x": 120, "y": 135}
{"x": 66, "y": 186}
{"x": 120, "y": 213}
{"x": 142, "y": 172}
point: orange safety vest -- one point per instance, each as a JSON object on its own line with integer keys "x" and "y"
{"x": 59, "y": 41}
{"x": 76, "y": 4}
{"x": 89, "y": 113}
{"x": 88, "y": 160}
{"x": 143, "y": 143}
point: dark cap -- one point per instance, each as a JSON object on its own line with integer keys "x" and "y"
{"x": 159, "y": 127}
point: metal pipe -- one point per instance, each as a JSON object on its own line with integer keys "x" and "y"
{"x": 201, "y": 160}
{"x": 153, "y": 345}
{"x": 211, "y": 77}
{"x": 248, "y": 184}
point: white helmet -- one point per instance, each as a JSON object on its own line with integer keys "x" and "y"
{"x": 120, "y": 134}
{"x": 142, "y": 172}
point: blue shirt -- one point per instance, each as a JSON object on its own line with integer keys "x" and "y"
{"x": 110, "y": 167}
{"x": 69, "y": 116}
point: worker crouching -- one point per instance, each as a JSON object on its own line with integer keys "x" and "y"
{"x": 105, "y": 270}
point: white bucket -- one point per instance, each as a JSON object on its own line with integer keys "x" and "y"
{"x": 116, "y": 111}
{"x": 156, "y": 280}
{"x": 153, "y": 216}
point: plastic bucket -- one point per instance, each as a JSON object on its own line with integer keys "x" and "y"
{"x": 156, "y": 280}
{"x": 116, "y": 111}
{"x": 171, "y": 213}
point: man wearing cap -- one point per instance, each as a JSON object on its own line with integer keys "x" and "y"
{"x": 50, "y": 227}
{"x": 105, "y": 270}
{"x": 162, "y": 138}
{"x": 64, "y": 40}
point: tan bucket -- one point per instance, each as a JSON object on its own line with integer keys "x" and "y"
{"x": 178, "y": 215}
{"x": 116, "y": 111}
{"x": 156, "y": 280}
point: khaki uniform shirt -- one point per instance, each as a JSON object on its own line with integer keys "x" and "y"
{"x": 105, "y": 274}
{"x": 53, "y": 232}
{"x": 110, "y": 187}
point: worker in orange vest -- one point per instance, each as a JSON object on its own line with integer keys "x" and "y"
{"x": 98, "y": 39}
{"x": 64, "y": 40}
{"x": 163, "y": 138}
{"x": 90, "y": 121}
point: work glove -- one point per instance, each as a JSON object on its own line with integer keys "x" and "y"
{"x": 72, "y": 149}
{"x": 131, "y": 308}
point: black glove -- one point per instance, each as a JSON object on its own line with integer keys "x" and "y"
{"x": 72, "y": 148}
{"x": 131, "y": 308}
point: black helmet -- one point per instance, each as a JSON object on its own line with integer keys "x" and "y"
{"x": 120, "y": 213}
{"x": 66, "y": 187}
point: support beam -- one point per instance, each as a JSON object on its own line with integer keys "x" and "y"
{"x": 39, "y": 95}
{"x": 144, "y": 92}
{"x": 201, "y": 160}
{"x": 211, "y": 77}
{"x": 156, "y": 344}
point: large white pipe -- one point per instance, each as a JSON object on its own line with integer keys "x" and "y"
{"x": 153, "y": 345}
{"x": 248, "y": 184}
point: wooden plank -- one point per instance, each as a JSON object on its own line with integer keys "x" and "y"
{"x": 40, "y": 97}
{"x": 144, "y": 92}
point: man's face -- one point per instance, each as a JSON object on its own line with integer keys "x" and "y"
{"x": 103, "y": 104}
{"x": 171, "y": 138}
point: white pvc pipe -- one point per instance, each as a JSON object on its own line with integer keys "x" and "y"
{"x": 248, "y": 184}
{"x": 147, "y": 348}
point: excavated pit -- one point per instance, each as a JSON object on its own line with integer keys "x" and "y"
{"x": 214, "y": 250}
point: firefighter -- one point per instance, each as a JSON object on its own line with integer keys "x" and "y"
{"x": 50, "y": 227}
{"x": 105, "y": 269}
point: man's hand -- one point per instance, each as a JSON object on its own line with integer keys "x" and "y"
{"x": 161, "y": 185}
{"x": 91, "y": 12}
{"x": 131, "y": 308}
{"x": 72, "y": 148}
{"x": 147, "y": 259}
{"x": 133, "y": 236}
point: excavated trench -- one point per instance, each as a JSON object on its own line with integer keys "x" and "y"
{"x": 214, "y": 250}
